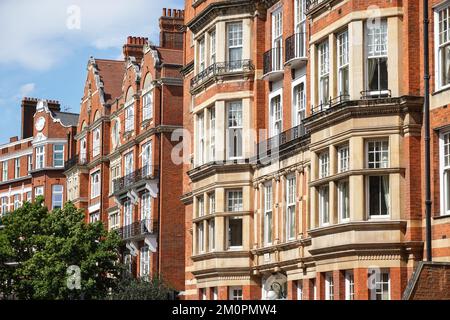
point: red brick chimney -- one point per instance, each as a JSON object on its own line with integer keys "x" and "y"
{"x": 14, "y": 139}
{"x": 29, "y": 109}
{"x": 135, "y": 48}
{"x": 170, "y": 25}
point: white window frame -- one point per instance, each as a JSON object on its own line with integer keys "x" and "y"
{"x": 128, "y": 163}
{"x": 147, "y": 158}
{"x": 277, "y": 39}
{"x": 201, "y": 143}
{"x": 114, "y": 220}
{"x": 144, "y": 259}
{"x": 200, "y": 238}
{"x": 344, "y": 201}
{"x": 329, "y": 286}
{"x": 235, "y": 293}
{"x": 291, "y": 192}
{"x": 58, "y": 152}
{"x": 57, "y": 196}
{"x": 83, "y": 151}
{"x": 343, "y": 62}
{"x": 212, "y": 46}
{"x": 343, "y": 159}
{"x": 349, "y": 285}
{"x": 212, "y": 234}
{"x": 200, "y": 206}
{"x": 146, "y": 207}
{"x": 444, "y": 170}
{"x": 235, "y": 123}
{"x": 147, "y": 104}
{"x": 16, "y": 168}
{"x": 235, "y": 43}
{"x": 298, "y": 101}
{"x": 368, "y": 195}
{"x": 129, "y": 116}
{"x": 201, "y": 54}
{"x": 379, "y": 284}
{"x": 235, "y": 200}
{"x": 441, "y": 41}
{"x": 17, "y": 201}
{"x": 229, "y": 246}
{"x": 30, "y": 163}
{"x": 96, "y": 137}
{"x": 212, "y": 133}
{"x": 115, "y": 133}
{"x": 95, "y": 184}
{"x": 324, "y": 164}
{"x": 40, "y": 157}
{"x": 276, "y": 113}
{"x": 4, "y": 205}
{"x": 268, "y": 214}
{"x": 38, "y": 191}
{"x": 127, "y": 213}
{"x": 5, "y": 170}
{"x": 300, "y": 27}
{"x": 323, "y": 50}
{"x": 377, "y": 52}
{"x": 324, "y": 205}
{"x": 380, "y": 149}
{"x": 212, "y": 202}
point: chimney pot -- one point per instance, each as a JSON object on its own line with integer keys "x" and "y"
{"x": 14, "y": 139}
{"x": 164, "y": 12}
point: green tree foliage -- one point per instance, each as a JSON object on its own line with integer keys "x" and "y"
{"x": 142, "y": 289}
{"x": 37, "y": 248}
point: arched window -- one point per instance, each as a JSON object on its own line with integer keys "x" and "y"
{"x": 147, "y": 98}
{"x": 129, "y": 110}
{"x": 83, "y": 151}
{"x": 115, "y": 133}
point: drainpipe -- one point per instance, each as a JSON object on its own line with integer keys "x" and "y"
{"x": 426, "y": 111}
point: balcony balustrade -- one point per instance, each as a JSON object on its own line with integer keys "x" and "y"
{"x": 279, "y": 141}
{"x": 295, "y": 50}
{"x": 136, "y": 230}
{"x": 75, "y": 160}
{"x": 221, "y": 69}
{"x": 124, "y": 183}
{"x": 273, "y": 68}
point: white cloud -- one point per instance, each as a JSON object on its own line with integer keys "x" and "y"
{"x": 26, "y": 89}
{"x": 47, "y": 30}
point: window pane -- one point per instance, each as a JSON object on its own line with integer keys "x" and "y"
{"x": 235, "y": 232}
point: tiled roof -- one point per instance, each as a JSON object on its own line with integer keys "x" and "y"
{"x": 67, "y": 119}
{"x": 111, "y": 74}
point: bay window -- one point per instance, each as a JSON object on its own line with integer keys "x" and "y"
{"x": 234, "y": 42}
{"x": 235, "y": 129}
{"x": 290, "y": 207}
{"x": 329, "y": 286}
{"x": 212, "y": 203}
{"x": 349, "y": 286}
{"x": 234, "y": 198}
{"x": 343, "y": 63}
{"x": 211, "y": 235}
{"x": 200, "y": 206}
{"x": 212, "y": 47}
{"x": 379, "y": 281}
{"x": 378, "y": 194}
{"x": 377, "y": 57}
{"x": 268, "y": 214}
{"x": 377, "y": 154}
{"x": 235, "y": 293}
{"x": 324, "y": 72}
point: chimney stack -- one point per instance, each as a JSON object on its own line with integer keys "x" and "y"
{"x": 170, "y": 25}
{"x": 135, "y": 48}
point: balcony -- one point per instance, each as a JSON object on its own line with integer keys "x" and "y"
{"x": 220, "y": 70}
{"x": 315, "y": 5}
{"x": 75, "y": 161}
{"x": 295, "y": 52}
{"x": 137, "y": 230}
{"x": 135, "y": 180}
{"x": 331, "y": 103}
{"x": 282, "y": 141}
{"x": 273, "y": 64}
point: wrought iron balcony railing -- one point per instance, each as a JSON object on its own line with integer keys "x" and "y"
{"x": 146, "y": 172}
{"x": 313, "y": 4}
{"x": 282, "y": 139}
{"x": 75, "y": 160}
{"x": 296, "y": 46}
{"x": 221, "y": 69}
{"x": 332, "y": 102}
{"x": 136, "y": 229}
{"x": 273, "y": 60}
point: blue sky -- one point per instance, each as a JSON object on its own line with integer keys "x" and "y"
{"x": 46, "y": 45}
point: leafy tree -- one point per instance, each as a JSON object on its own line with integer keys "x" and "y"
{"x": 142, "y": 289}
{"x": 44, "y": 245}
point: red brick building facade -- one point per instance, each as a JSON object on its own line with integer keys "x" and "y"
{"x": 33, "y": 165}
